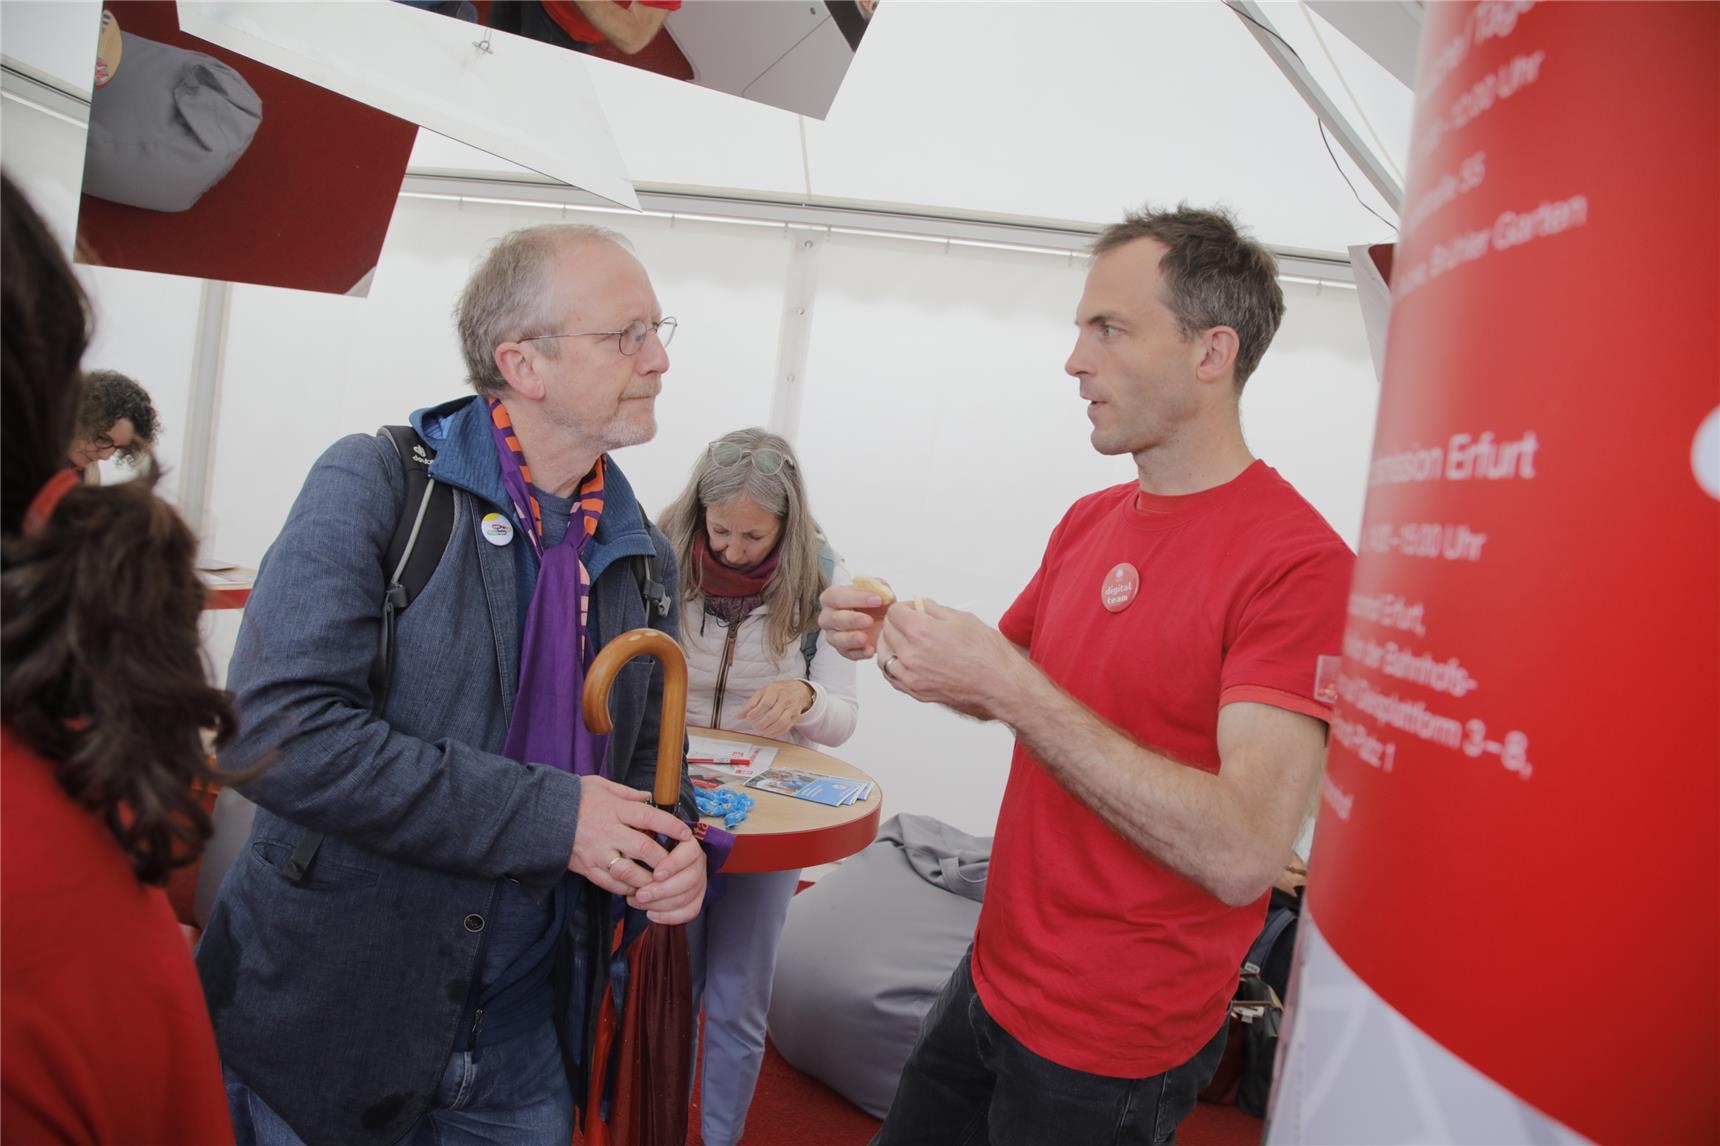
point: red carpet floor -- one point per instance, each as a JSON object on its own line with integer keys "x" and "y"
{"x": 790, "y": 1109}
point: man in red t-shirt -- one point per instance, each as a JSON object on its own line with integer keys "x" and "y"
{"x": 1158, "y": 673}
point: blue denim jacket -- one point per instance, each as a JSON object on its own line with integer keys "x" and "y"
{"x": 338, "y": 998}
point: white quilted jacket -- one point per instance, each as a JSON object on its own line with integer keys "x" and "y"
{"x": 741, "y": 667}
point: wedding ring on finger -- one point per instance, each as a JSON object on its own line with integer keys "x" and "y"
{"x": 611, "y": 864}
{"x": 888, "y": 661}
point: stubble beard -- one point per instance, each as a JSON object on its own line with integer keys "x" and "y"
{"x": 630, "y": 429}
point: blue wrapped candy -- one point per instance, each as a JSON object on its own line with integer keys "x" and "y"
{"x": 731, "y": 804}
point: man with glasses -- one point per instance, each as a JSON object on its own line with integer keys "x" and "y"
{"x": 411, "y": 947}
{"x": 1159, "y": 675}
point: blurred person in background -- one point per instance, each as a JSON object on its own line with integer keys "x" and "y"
{"x": 115, "y": 419}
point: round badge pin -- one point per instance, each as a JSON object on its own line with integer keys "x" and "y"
{"x": 110, "y": 45}
{"x": 497, "y": 530}
{"x": 1118, "y": 589}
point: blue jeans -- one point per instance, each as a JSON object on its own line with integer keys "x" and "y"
{"x": 514, "y": 1092}
{"x": 969, "y": 1083}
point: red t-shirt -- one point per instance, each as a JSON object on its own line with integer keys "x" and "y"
{"x": 1088, "y": 951}
{"x": 104, "y": 1036}
{"x": 573, "y": 21}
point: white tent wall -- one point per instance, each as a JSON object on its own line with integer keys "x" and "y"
{"x": 940, "y": 437}
{"x": 145, "y": 323}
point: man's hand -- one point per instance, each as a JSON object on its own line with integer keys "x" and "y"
{"x": 777, "y": 707}
{"x": 677, "y": 888}
{"x": 616, "y": 833}
{"x": 850, "y": 632}
{"x": 945, "y": 656}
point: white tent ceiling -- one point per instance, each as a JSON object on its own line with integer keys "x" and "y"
{"x": 1063, "y": 112}
{"x": 1046, "y": 111}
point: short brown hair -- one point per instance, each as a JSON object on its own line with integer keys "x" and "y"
{"x": 1214, "y": 275}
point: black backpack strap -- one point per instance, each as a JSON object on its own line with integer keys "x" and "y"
{"x": 653, "y": 592}
{"x": 420, "y": 538}
{"x": 427, "y": 521}
{"x": 1277, "y": 919}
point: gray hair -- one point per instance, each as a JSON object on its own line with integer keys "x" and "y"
{"x": 1214, "y": 275}
{"x": 791, "y": 597}
{"x": 510, "y": 296}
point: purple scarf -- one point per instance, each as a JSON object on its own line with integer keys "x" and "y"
{"x": 546, "y": 727}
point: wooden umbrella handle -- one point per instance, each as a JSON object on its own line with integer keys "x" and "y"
{"x": 601, "y": 677}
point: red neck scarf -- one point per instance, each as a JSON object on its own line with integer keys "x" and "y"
{"x": 732, "y": 593}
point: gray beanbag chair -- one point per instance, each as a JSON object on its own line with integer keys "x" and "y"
{"x": 865, "y": 952}
{"x": 167, "y": 127}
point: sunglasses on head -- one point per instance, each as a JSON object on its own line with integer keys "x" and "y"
{"x": 765, "y": 459}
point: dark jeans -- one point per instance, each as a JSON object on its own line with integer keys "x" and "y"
{"x": 968, "y": 1082}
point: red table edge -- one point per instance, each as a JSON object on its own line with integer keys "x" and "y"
{"x": 234, "y": 598}
{"x": 786, "y": 851}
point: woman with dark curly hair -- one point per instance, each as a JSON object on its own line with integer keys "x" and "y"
{"x": 115, "y": 419}
{"x": 103, "y": 1032}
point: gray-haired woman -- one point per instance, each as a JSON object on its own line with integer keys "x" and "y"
{"x": 752, "y": 565}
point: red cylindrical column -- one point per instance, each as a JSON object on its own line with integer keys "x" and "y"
{"x": 1518, "y": 854}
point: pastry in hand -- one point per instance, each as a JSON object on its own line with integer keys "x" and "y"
{"x": 879, "y": 588}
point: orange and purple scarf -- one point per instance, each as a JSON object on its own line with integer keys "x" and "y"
{"x": 557, "y": 652}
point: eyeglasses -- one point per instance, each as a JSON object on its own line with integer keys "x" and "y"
{"x": 632, "y": 335}
{"x": 765, "y": 460}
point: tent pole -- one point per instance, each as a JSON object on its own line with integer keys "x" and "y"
{"x": 196, "y": 458}
{"x": 794, "y": 333}
{"x": 1254, "y": 19}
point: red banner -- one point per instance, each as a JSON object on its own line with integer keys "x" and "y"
{"x": 1519, "y": 846}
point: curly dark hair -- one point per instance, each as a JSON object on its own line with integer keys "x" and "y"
{"x": 108, "y": 396}
{"x": 101, "y": 667}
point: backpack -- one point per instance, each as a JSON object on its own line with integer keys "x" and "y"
{"x": 420, "y": 539}
{"x": 1244, "y": 1073}
{"x": 827, "y": 567}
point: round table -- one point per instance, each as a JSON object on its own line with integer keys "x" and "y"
{"x": 226, "y": 588}
{"x": 782, "y": 833}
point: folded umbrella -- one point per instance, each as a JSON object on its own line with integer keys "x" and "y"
{"x": 654, "y": 1062}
